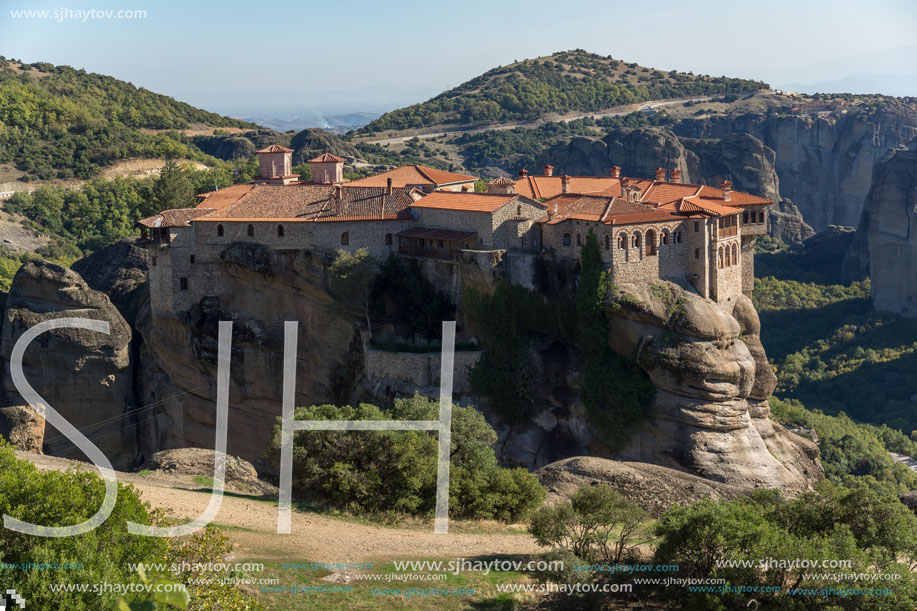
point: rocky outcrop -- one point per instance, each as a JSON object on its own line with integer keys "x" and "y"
{"x": 85, "y": 375}
{"x": 23, "y": 427}
{"x": 652, "y": 487}
{"x": 262, "y": 290}
{"x": 120, "y": 271}
{"x": 741, "y": 157}
{"x": 240, "y": 474}
{"x": 825, "y": 163}
{"x": 712, "y": 380}
{"x": 889, "y": 231}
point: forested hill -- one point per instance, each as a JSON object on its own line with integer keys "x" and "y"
{"x": 562, "y": 82}
{"x": 60, "y": 122}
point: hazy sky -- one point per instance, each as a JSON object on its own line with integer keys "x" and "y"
{"x": 243, "y": 57}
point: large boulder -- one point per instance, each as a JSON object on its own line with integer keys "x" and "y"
{"x": 652, "y": 487}
{"x": 120, "y": 271}
{"x": 713, "y": 381}
{"x": 23, "y": 427}
{"x": 85, "y": 375}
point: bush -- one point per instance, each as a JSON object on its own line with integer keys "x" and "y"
{"x": 597, "y": 524}
{"x": 394, "y": 472}
{"x": 52, "y": 498}
{"x": 875, "y": 533}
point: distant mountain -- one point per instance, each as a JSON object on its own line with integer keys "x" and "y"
{"x": 900, "y": 85}
{"x": 60, "y": 122}
{"x": 332, "y": 123}
{"x": 562, "y": 82}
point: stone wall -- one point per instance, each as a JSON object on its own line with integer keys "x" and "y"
{"x": 419, "y": 369}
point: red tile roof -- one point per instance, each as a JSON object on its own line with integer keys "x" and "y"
{"x": 175, "y": 217}
{"x": 275, "y": 148}
{"x": 408, "y": 175}
{"x": 327, "y": 158}
{"x": 315, "y": 203}
{"x": 539, "y": 187}
{"x": 463, "y": 200}
{"x": 218, "y": 200}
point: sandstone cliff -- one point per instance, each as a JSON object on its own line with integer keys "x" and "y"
{"x": 261, "y": 292}
{"x": 84, "y": 375}
{"x": 713, "y": 381}
{"x": 824, "y": 164}
{"x": 886, "y": 243}
{"x": 741, "y": 157}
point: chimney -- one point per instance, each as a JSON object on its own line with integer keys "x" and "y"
{"x": 523, "y": 173}
{"x": 388, "y": 186}
{"x": 675, "y": 173}
{"x": 726, "y": 186}
{"x": 549, "y": 170}
{"x": 660, "y": 174}
{"x": 555, "y": 207}
{"x": 616, "y": 171}
{"x": 565, "y": 183}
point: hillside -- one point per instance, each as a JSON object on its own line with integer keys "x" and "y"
{"x": 57, "y": 122}
{"x": 562, "y": 82}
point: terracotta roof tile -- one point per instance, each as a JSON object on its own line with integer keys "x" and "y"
{"x": 175, "y": 217}
{"x": 314, "y": 202}
{"x": 217, "y": 200}
{"x": 275, "y": 148}
{"x": 542, "y": 187}
{"x": 474, "y": 202}
{"x": 327, "y": 158}
{"x": 408, "y": 175}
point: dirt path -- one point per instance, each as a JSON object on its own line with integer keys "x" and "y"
{"x": 613, "y": 112}
{"x": 315, "y": 537}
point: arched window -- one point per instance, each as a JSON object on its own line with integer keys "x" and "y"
{"x": 279, "y": 231}
{"x": 518, "y": 210}
{"x": 678, "y": 237}
{"x": 566, "y": 239}
{"x": 665, "y": 236}
{"x": 345, "y": 239}
{"x": 636, "y": 240}
{"x": 650, "y": 243}
{"x": 622, "y": 241}
{"x": 388, "y": 239}
{"x": 219, "y": 231}
{"x": 720, "y": 265}
{"x": 251, "y": 231}
{"x": 579, "y": 240}
{"x": 607, "y": 242}
{"x": 735, "y": 254}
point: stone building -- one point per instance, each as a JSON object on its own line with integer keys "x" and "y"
{"x": 691, "y": 234}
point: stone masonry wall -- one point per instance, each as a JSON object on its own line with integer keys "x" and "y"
{"x": 419, "y": 369}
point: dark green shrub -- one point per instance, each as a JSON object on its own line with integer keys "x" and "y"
{"x": 394, "y": 472}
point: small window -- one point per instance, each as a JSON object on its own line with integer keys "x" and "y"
{"x": 697, "y": 253}
{"x": 622, "y": 242}
{"x": 183, "y": 283}
{"x": 219, "y": 231}
{"x": 761, "y": 217}
{"x": 607, "y": 242}
{"x": 154, "y": 261}
{"x": 279, "y": 231}
{"x": 345, "y": 239}
{"x": 678, "y": 237}
{"x": 579, "y": 240}
{"x": 696, "y": 226}
{"x": 388, "y": 239}
{"x": 745, "y": 218}
{"x": 566, "y": 239}
{"x": 442, "y": 244}
{"x": 251, "y": 231}
{"x": 518, "y": 210}
{"x": 665, "y": 237}
{"x": 191, "y": 259}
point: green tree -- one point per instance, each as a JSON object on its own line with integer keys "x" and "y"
{"x": 353, "y": 276}
{"x": 172, "y": 188}
{"x": 597, "y": 524}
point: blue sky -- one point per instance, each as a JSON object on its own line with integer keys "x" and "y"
{"x": 243, "y": 57}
